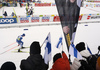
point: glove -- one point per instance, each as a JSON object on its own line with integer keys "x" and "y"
{"x": 76, "y": 64}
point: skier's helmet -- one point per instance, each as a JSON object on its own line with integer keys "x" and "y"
{"x": 23, "y": 34}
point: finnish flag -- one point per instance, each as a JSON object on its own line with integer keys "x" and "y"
{"x": 47, "y": 54}
{"x": 59, "y": 44}
{"x": 74, "y": 52}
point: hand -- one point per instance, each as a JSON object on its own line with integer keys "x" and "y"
{"x": 66, "y": 29}
{"x": 76, "y": 64}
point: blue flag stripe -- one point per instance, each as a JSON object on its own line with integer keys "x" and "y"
{"x": 75, "y": 50}
{"x": 60, "y": 41}
{"x": 48, "y": 45}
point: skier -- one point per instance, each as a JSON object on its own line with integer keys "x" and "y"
{"x": 20, "y": 42}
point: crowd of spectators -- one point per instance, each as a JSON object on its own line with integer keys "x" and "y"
{"x": 35, "y": 61}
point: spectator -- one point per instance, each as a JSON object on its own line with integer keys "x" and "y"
{"x": 13, "y": 14}
{"x": 89, "y": 58}
{"x": 35, "y": 60}
{"x": 8, "y": 66}
{"x": 5, "y": 13}
{"x": 61, "y": 62}
{"x": 31, "y": 13}
{"x": 98, "y": 64}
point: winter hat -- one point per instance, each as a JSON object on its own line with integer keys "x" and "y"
{"x": 57, "y": 56}
{"x": 8, "y": 66}
{"x": 23, "y": 34}
{"x": 35, "y": 48}
{"x": 80, "y": 46}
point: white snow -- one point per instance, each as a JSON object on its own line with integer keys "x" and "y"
{"x": 86, "y": 32}
{"x": 34, "y": 33}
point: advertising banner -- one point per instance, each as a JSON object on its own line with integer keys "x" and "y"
{"x": 24, "y": 20}
{"x": 42, "y": 4}
{"x": 87, "y": 17}
{"x": 91, "y": 4}
{"x": 7, "y": 20}
{"x": 34, "y": 19}
{"x": 45, "y": 19}
{"x": 56, "y": 19}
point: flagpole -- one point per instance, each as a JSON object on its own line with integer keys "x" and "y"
{"x": 45, "y": 39}
{"x": 62, "y": 48}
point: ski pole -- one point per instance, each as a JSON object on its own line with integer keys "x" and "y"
{"x": 10, "y": 45}
{"x": 8, "y": 50}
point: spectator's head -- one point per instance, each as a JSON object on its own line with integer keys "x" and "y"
{"x": 35, "y": 48}
{"x": 83, "y": 51}
{"x": 80, "y": 46}
{"x": 57, "y": 56}
{"x": 8, "y": 66}
{"x": 98, "y": 64}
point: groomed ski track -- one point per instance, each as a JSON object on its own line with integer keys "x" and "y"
{"x": 87, "y": 32}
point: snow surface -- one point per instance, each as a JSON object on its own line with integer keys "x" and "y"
{"x": 86, "y": 32}
{"x": 34, "y": 33}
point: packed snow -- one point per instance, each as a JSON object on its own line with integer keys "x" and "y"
{"x": 86, "y": 32}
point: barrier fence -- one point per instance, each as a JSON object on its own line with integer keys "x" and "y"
{"x": 91, "y": 4}
{"x": 21, "y": 19}
{"x": 44, "y": 18}
{"x": 89, "y": 17}
{"x": 14, "y": 4}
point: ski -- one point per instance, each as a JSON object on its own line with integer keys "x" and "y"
{"x": 23, "y": 48}
{"x": 20, "y": 52}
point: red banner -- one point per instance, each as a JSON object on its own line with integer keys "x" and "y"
{"x": 56, "y": 19}
{"x": 42, "y": 4}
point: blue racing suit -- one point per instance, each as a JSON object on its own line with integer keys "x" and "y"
{"x": 18, "y": 40}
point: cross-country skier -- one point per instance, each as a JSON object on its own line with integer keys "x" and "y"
{"x": 20, "y": 42}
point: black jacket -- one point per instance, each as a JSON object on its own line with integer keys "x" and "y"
{"x": 33, "y": 62}
{"x": 5, "y": 13}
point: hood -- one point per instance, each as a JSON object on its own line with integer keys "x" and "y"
{"x": 60, "y": 64}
